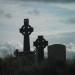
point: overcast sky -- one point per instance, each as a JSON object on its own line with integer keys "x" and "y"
{"x": 55, "y": 21}
{"x": 65, "y": 1}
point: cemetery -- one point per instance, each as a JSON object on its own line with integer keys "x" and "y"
{"x": 27, "y": 62}
{"x": 58, "y": 52}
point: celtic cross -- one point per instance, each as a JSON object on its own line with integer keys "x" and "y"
{"x": 26, "y": 30}
{"x": 40, "y": 44}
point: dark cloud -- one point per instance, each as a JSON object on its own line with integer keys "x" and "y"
{"x": 49, "y": 0}
{"x": 58, "y": 0}
{"x": 62, "y": 1}
{"x": 6, "y": 49}
{"x": 69, "y": 21}
{"x": 8, "y": 15}
{"x": 1, "y": 12}
{"x": 5, "y": 14}
{"x": 34, "y": 11}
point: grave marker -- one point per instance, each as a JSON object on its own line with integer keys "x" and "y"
{"x": 40, "y": 44}
{"x": 57, "y": 59}
{"x": 26, "y": 30}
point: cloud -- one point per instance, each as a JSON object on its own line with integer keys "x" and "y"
{"x": 34, "y": 11}
{"x": 71, "y": 21}
{"x": 70, "y": 55}
{"x": 3, "y": 13}
{"x": 8, "y": 48}
{"x": 49, "y": 0}
{"x": 8, "y": 15}
{"x": 56, "y": 1}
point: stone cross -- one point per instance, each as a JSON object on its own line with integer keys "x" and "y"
{"x": 26, "y": 30}
{"x": 40, "y": 44}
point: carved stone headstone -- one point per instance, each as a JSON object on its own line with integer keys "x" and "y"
{"x": 40, "y": 44}
{"x": 57, "y": 59}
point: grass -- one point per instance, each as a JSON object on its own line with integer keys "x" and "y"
{"x": 25, "y": 66}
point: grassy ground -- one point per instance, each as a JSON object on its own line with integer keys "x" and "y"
{"x": 26, "y": 66}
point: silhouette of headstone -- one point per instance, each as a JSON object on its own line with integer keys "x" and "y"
{"x": 40, "y": 44}
{"x": 26, "y": 30}
{"x": 57, "y": 58}
{"x": 16, "y": 52}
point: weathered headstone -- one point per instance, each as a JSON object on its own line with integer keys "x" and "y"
{"x": 57, "y": 52}
{"x": 57, "y": 59}
{"x": 40, "y": 44}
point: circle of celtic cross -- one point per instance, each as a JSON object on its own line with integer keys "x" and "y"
{"x": 26, "y": 30}
{"x": 40, "y": 43}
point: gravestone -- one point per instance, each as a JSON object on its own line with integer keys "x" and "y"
{"x": 57, "y": 59}
{"x": 40, "y": 44}
{"x": 16, "y": 52}
{"x": 25, "y": 30}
